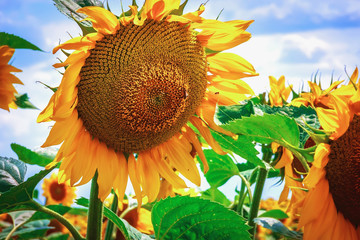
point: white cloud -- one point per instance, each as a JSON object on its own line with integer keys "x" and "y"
{"x": 336, "y": 48}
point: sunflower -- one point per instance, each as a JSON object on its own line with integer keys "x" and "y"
{"x": 58, "y": 193}
{"x": 7, "y": 90}
{"x": 136, "y": 92}
{"x": 278, "y": 92}
{"x": 331, "y": 208}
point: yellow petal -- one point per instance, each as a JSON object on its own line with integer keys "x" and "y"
{"x": 230, "y": 66}
{"x": 102, "y": 20}
{"x": 121, "y": 172}
{"x": 321, "y": 155}
{"x": 150, "y": 179}
{"x": 206, "y": 134}
{"x": 133, "y": 171}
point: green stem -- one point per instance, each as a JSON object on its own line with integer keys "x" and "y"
{"x": 110, "y": 225}
{"x": 241, "y": 199}
{"x": 75, "y": 233}
{"x": 95, "y": 213}
{"x": 260, "y": 182}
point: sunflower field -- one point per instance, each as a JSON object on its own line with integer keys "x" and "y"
{"x": 150, "y": 104}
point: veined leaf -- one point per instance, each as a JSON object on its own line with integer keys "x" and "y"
{"x": 215, "y": 195}
{"x": 243, "y": 147}
{"x": 221, "y": 168}
{"x": 274, "y": 213}
{"x": 22, "y": 194}
{"x": 267, "y": 129}
{"x": 30, "y": 230}
{"x": 30, "y": 157}
{"x": 12, "y": 173}
{"x": 194, "y": 218}
{"x": 14, "y": 41}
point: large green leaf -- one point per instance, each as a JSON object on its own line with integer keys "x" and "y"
{"x": 243, "y": 147}
{"x": 129, "y": 232}
{"x": 22, "y": 194}
{"x": 194, "y": 218}
{"x": 31, "y": 230}
{"x": 14, "y": 41}
{"x": 215, "y": 195}
{"x": 12, "y": 173}
{"x": 267, "y": 129}
{"x": 221, "y": 168}
{"x": 30, "y": 157}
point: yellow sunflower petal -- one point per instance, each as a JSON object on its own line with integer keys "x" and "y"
{"x": 102, "y": 20}
{"x": 150, "y": 180}
{"x": 133, "y": 172}
{"x": 121, "y": 178}
{"x": 230, "y": 66}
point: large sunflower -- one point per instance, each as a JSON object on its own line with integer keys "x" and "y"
{"x": 58, "y": 193}
{"x": 331, "y": 207}
{"x": 133, "y": 91}
{"x": 7, "y": 79}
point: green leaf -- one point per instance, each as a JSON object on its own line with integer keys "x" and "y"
{"x": 31, "y": 230}
{"x": 57, "y": 236}
{"x": 277, "y": 227}
{"x": 12, "y": 173}
{"x": 221, "y": 168}
{"x": 243, "y": 147}
{"x": 274, "y": 213}
{"x": 215, "y": 195}
{"x": 267, "y": 129}
{"x": 56, "y": 208}
{"x": 129, "y": 232}
{"x": 22, "y": 101}
{"x": 30, "y": 157}
{"x": 21, "y": 195}
{"x": 184, "y": 217}
{"x": 226, "y": 114}
{"x": 14, "y": 41}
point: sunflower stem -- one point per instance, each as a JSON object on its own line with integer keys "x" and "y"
{"x": 260, "y": 182}
{"x": 110, "y": 225}
{"x": 242, "y": 195}
{"x": 74, "y": 232}
{"x": 95, "y": 213}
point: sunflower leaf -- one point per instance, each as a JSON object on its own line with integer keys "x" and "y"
{"x": 22, "y": 101}
{"x": 14, "y": 41}
{"x": 60, "y": 209}
{"x": 20, "y": 196}
{"x": 30, "y": 157}
{"x": 274, "y": 213}
{"x": 221, "y": 168}
{"x": 184, "y": 217}
{"x": 215, "y": 195}
{"x": 267, "y": 129}
{"x": 12, "y": 173}
{"x": 243, "y": 147}
{"x": 31, "y": 230}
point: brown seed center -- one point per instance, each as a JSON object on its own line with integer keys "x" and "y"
{"x": 140, "y": 85}
{"x": 343, "y": 172}
{"x": 58, "y": 191}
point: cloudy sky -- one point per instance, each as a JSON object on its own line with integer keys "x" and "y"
{"x": 295, "y": 38}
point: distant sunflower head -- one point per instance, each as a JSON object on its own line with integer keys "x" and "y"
{"x": 58, "y": 193}
{"x": 134, "y": 89}
{"x": 331, "y": 207}
{"x": 7, "y": 79}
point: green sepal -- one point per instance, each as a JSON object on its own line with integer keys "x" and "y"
{"x": 22, "y": 101}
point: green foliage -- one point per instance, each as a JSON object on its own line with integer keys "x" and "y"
{"x": 215, "y": 195}
{"x": 56, "y": 208}
{"x": 20, "y": 196}
{"x": 31, "y": 230}
{"x": 14, "y": 41}
{"x": 22, "y": 101}
{"x": 30, "y": 157}
{"x": 274, "y": 213}
{"x": 221, "y": 168}
{"x": 304, "y": 116}
{"x": 267, "y": 129}
{"x": 195, "y": 218}
{"x": 12, "y": 173}
{"x": 243, "y": 147}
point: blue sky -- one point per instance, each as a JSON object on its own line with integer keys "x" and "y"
{"x": 294, "y": 38}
